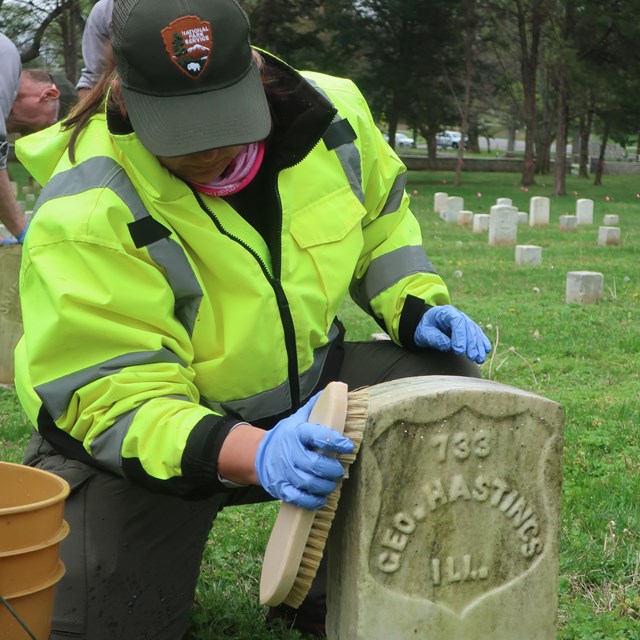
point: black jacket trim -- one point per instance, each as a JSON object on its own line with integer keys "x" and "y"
{"x": 412, "y": 312}
{"x": 146, "y": 231}
{"x": 339, "y": 133}
{"x": 200, "y": 456}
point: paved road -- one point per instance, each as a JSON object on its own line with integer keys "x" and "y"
{"x": 496, "y": 144}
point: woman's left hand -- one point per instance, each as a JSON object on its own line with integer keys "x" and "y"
{"x": 446, "y": 328}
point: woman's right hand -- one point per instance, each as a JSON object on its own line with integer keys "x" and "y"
{"x": 289, "y": 462}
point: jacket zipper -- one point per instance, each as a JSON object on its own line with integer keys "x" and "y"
{"x": 284, "y": 310}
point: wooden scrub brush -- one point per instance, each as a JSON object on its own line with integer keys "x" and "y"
{"x": 298, "y": 538}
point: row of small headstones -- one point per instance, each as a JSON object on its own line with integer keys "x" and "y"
{"x": 504, "y": 217}
{"x": 581, "y": 286}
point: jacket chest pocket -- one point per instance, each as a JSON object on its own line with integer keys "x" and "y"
{"x": 328, "y": 243}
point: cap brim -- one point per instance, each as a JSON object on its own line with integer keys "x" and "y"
{"x": 180, "y": 125}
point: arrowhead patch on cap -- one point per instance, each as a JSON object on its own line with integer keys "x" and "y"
{"x": 188, "y": 41}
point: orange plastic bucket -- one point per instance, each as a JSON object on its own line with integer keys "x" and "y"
{"x": 23, "y": 568}
{"x": 34, "y": 607}
{"x": 31, "y": 531}
{"x": 31, "y": 506}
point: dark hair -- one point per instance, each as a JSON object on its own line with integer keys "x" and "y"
{"x": 38, "y": 75}
{"x": 90, "y": 104}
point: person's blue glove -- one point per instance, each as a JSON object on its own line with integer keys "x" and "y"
{"x": 5, "y": 242}
{"x": 22, "y": 234}
{"x": 288, "y": 462}
{"x": 446, "y": 328}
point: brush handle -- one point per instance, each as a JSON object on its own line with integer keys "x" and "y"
{"x": 292, "y": 526}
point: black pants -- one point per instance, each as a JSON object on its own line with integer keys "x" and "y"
{"x": 133, "y": 557}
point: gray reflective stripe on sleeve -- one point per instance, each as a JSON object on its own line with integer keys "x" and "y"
{"x": 349, "y": 157}
{"x": 96, "y": 173}
{"x": 385, "y": 271}
{"x": 56, "y": 395}
{"x": 395, "y": 195}
{"x": 186, "y": 289}
{"x": 107, "y": 447}
{"x": 348, "y": 154}
{"x": 105, "y": 173}
{"x": 275, "y": 401}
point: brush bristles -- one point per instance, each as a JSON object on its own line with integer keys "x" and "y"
{"x": 314, "y": 549}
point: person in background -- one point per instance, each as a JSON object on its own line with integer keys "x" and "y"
{"x": 206, "y": 211}
{"x": 95, "y": 39}
{"x": 30, "y": 100}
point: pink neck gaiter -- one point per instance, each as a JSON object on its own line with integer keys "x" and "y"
{"x": 238, "y": 174}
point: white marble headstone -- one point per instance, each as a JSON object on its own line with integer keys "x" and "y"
{"x": 480, "y": 222}
{"x": 608, "y": 236}
{"x": 538, "y": 211}
{"x": 584, "y": 287}
{"x": 528, "y": 254}
{"x": 440, "y": 202}
{"x": 448, "y": 527}
{"x": 503, "y": 225}
{"x": 455, "y": 204}
{"x": 465, "y": 218}
{"x": 568, "y": 223}
{"x": 584, "y": 211}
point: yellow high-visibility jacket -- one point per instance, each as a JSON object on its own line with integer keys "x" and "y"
{"x": 156, "y": 317}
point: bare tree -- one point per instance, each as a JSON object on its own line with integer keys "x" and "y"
{"x": 530, "y": 18}
{"x": 469, "y": 41}
{"x": 49, "y": 28}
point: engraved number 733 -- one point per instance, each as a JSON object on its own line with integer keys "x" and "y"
{"x": 461, "y": 445}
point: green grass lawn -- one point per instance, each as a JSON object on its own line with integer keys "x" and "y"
{"x": 584, "y": 357}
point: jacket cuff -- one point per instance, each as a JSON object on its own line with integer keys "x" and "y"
{"x": 200, "y": 456}
{"x": 412, "y": 312}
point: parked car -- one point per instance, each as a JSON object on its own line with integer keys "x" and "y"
{"x": 402, "y": 140}
{"x": 450, "y": 139}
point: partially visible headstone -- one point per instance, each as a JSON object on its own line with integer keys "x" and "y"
{"x": 584, "y": 287}
{"x": 523, "y": 217}
{"x": 611, "y": 220}
{"x": 10, "y": 313}
{"x": 538, "y": 211}
{"x": 608, "y": 236}
{"x": 380, "y": 336}
{"x": 448, "y": 527}
{"x": 4, "y": 232}
{"x": 584, "y": 211}
{"x": 14, "y": 188}
{"x": 30, "y": 197}
{"x": 455, "y": 204}
{"x": 440, "y": 202}
{"x": 465, "y": 218}
{"x": 568, "y": 223}
{"x": 480, "y": 222}
{"x": 506, "y": 201}
{"x": 503, "y": 225}
{"x": 528, "y": 254}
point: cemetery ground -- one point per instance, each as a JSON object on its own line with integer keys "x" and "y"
{"x": 585, "y": 357}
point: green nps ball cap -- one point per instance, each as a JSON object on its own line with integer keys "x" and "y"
{"x": 189, "y": 79}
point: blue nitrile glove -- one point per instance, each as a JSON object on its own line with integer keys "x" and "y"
{"x": 289, "y": 466}
{"x": 22, "y": 234}
{"x": 446, "y": 328}
{"x": 7, "y": 241}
